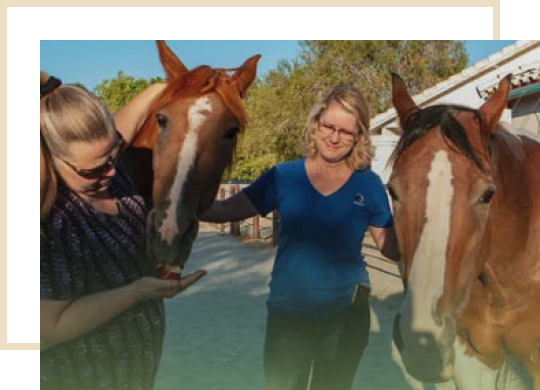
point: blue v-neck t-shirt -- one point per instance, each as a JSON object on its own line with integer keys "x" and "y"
{"x": 318, "y": 261}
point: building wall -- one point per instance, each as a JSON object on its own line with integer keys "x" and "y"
{"x": 467, "y": 95}
{"x": 384, "y": 146}
{"x": 526, "y": 116}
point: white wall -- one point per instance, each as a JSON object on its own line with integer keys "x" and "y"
{"x": 526, "y": 116}
{"x": 384, "y": 145}
{"x": 466, "y": 95}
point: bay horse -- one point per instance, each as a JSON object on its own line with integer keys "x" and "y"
{"x": 180, "y": 154}
{"x": 466, "y": 199}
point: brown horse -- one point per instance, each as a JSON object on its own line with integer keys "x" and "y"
{"x": 188, "y": 138}
{"x": 466, "y": 198}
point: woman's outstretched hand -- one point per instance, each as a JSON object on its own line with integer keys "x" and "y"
{"x": 150, "y": 287}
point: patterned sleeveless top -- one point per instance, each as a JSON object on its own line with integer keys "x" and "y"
{"x": 85, "y": 251}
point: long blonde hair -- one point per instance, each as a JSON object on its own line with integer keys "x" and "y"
{"x": 354, "y": 102}
{"x": 68, "y": 113}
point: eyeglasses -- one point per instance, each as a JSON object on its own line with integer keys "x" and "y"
{"x": 102, "y": 170}
{"x": 327, "y": 130}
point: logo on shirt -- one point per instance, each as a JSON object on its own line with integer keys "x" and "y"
{"x": 359, "y": 200}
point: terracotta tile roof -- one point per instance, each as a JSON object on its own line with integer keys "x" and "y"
{"x": 430, "y": 94}
{"x": 530, "y": 74}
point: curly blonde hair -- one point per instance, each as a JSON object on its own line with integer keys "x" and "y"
{"x": 354, "y": 102}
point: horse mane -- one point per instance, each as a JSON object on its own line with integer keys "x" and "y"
{"x": 200, "y": 81}
{"x": 452, "y": 131}
{"x": 513, "y": 139}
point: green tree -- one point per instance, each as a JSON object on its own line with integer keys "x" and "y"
{"x": 367, "y": 64}
{"x": 278, "y": 103}
{"x": 114, "y": 93}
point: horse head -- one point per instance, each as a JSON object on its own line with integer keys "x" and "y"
{"x": 191, "y": 134}
{"x": 443, "y": 184}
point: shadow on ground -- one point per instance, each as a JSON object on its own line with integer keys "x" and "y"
{"x": 215, "y": 330}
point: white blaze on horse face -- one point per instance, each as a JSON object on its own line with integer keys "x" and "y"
{"x": 197, "y": 114}
{"x": 426, "y": 280}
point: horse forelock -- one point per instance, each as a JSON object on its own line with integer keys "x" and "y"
{"x": 201, "y": 81}
{"x": 196, "y": 83}
{"x": 442, "y": 117}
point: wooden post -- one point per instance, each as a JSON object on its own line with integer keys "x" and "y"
{"x": 275, "y": 228}
{"x": 255, "y": 234}
{"x": 221, "y": 197}
{"x": 235, "y": 226}
{"x": 232, "y": 191}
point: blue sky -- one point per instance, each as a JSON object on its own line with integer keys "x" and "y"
{"x": 90, "y": 62}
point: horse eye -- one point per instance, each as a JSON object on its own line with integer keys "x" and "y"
{"x": 231, "y": 133}
{"x": 486, "y": 196}
{"x": 162, "y": 121}
{"x": 392, "y": 193}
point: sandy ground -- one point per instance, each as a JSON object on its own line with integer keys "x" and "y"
{"x": 215, "y": 330}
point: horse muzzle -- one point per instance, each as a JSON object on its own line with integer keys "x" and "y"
{"x": 175, "y": 251}
{"x": 424, "y": 358}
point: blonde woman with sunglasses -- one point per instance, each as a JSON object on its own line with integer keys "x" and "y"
{"x": 102, "y": 315}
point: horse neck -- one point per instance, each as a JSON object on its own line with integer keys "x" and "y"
{"x": 511, "y": 241}
{"x": 137, "y": 163}
{"x": 510, "y": 158}
{"x": 514, "y": 182}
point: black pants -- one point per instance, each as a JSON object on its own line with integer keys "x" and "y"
{"x": 322, "y": 354}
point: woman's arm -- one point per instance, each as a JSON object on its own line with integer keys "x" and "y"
{"x": 63, "y": 320}
{"x": 385, "y": 239}
{"x": 235, "y": 208}
{"x": 130, "y": 117}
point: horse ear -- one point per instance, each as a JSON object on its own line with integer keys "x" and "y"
{"x": 403, "y": 103}
{"x": 491, "y": 111}
{"x": 245, "y": 74}
{"x": 174, "y": 68}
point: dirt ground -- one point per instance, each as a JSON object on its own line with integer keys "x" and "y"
{"x": 215, "y": 330}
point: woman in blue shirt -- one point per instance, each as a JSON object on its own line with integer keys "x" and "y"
{"x": 318, "y": 311}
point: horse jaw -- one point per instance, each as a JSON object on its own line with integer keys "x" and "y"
{"x": 177, "y": 250}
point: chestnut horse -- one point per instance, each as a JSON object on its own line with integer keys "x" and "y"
{"x": 466, "y": 199}
{"x": 183, "y": 148}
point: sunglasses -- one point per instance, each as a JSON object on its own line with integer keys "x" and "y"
{"x": 102, "y": 170}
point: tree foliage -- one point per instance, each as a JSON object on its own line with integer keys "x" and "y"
{"x": 114, "y": 93}
{"x": 279, "y": 101}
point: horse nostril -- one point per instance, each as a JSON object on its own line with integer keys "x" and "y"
{"x": 397, "y": 334}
